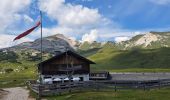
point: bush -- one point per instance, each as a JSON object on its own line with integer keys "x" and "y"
{"x": 8, "y": 56}
{"x": 9, "y": 70}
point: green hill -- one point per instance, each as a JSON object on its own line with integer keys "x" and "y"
{"x": 109, "y": 58}
{"x": 18, "y": 64}
{"x": 86, "y": 45}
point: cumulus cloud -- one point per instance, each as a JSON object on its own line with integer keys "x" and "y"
{"x": 161, "y": 2}
{"x": 9, "y": 11}
{"x": 10, "y": 14}
{"x": 7, "y": 40}
{"x": 92, "y": 36}
{"x": 28, "y": 18}
{"x": 74, "y": 20}
{"x": 70, "y": 15}
{"x": 121, "y": 38}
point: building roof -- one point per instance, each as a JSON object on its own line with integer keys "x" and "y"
{"x": 69, "y": 52}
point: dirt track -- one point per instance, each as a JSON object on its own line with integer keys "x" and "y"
{"x": 16, "y": 93}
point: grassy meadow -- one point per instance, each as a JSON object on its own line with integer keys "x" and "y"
{"x": 107, "y": 58}
{"x": 138, "y": 60}
{"x": 20, "y": 73}
{"x": 154, "y": 94}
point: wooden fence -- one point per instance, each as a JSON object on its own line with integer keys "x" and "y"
{"x": 49, "y": 89}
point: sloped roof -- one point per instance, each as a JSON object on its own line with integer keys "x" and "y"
{"x": 69, "y": 53}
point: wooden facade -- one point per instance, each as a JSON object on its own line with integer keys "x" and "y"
{"x": 65, "y": 62}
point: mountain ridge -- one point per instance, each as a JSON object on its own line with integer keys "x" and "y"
{"x": 108, "y": 55}
{"x": 60, "y": 42}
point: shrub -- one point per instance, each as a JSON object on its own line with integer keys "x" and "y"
{"x": 8, "y": 70}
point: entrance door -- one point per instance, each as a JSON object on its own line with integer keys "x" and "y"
{"x": 81, "y": 78}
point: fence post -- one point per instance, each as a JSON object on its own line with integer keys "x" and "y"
{"x": 115, "y": 87}
{"x": 39, "y": 91}
{"x": 59, "y": 90}
{"x": 159, "y": 84}
{"x": 144, "y": 86}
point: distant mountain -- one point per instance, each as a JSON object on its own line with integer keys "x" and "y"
{"x": 59, "y": 42}
{"x": 149, "y": 50}
{"x": 149, "y": 40}
{"x": 50, "y": 44}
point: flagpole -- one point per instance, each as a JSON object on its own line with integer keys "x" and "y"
{"x": 41, "y": 34}
{"x": 39, "y": 95}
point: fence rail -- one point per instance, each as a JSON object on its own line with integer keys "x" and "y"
{"x": 47, "y": 89}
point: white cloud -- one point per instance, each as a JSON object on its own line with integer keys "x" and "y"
{"x": 9, "y": 10}
{"x": 121, "y": 38}
{"x": 161, "y": 2}
{"x": 28, "y": 19}
{"x": 75, "y": 20}
{"x": 72, "y": 20}
{"x": 7, "y": 40}
{"x": 70, "y": 15}
{"x": 10, "y": 14}
{"x": 92, "y": 36}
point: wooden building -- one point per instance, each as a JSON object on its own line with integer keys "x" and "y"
{"x": 65, "y": 66}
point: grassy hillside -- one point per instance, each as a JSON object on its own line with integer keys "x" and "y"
{"x": 16, "y": 74}
{"x": 86, "y": 45}
{"x": 17, "y": 69}
{"x": 109, "y": 58}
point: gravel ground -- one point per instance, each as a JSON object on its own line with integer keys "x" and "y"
{"x": 16, "y": 93}
{"x": 3, "y": 93}
{"x": 139, "y": 76}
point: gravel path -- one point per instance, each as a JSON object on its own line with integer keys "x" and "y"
{"x": 3, "y": 93}
{"x": 139, "y": 76}
{"x": 16, "y": 93}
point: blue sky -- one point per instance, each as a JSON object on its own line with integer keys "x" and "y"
{"x": 132, "y": 14}
{"x": 84, "y": 20}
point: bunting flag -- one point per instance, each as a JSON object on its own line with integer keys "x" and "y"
{"x": 27, "y": 32}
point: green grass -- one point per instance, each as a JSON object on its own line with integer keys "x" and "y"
{"x": 88, "y": 52}
{"x": 111, "y": 59}
{"x": 154, "y": 94}
{"x": 14, "y": 79}
{"x": 107, "y": 58}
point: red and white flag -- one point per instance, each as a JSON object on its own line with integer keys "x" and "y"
{"x": 27, "y": 32}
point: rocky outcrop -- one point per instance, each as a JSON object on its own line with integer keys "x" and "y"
{"x": 147, "y": 39}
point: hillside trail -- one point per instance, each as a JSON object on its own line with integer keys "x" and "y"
{"x": 16, "y": 93}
